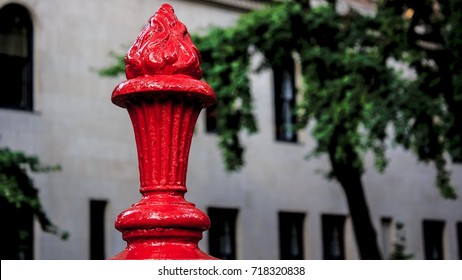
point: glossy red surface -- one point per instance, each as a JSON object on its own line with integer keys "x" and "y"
{"x": 163, "y": 96}
{"x": 163, "y": 47}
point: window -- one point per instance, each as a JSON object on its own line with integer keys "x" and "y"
{"x": 16, "y": 35}
{"x": 97, "y": 233}
{"x": 291, "y": 235}
{"x": 211, "y": 119}
{"x": 17, "y": 231}
{"x": 433, "y": 239}
{"x": 459, "y": 238}
{"x": 284, "y": 101}
{"x": 333, "y": 239}
{"x": 222, "y": 233}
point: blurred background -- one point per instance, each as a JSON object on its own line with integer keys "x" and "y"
{"x": 55, "y": 109}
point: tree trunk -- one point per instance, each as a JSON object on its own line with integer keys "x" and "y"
{"x": 349, "y": 178}
{"x": 366, "y": 238}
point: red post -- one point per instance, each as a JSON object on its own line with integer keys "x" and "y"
{"x": 164, "y": 96}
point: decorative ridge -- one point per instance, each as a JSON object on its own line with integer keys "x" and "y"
{"x": 164, "y": 47}
{"x": 163, "y": 95}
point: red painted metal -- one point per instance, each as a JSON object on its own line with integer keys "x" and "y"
{"x": 164, "y": 96}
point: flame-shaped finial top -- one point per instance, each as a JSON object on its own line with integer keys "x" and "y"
{"x": 163, "y": 61}
{"x": 163, "y": 48}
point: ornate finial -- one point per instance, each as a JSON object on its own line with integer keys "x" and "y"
{"x": 163, "y": 48}
{"x": 163, "y": 96}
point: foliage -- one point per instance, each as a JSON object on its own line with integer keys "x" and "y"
{"x": 17, "y": 187}
{"x": 353, "y": 91}
{"x": 115, "y": 69}
{"x": 226, "y": 66}
{"x": 350, "y": 91}
{"x": 429, "y": 40}
{"x": 399, "y": 246}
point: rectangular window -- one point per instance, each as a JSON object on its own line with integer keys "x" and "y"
{"x": 291, "y": 235}
{"x": 433, "y": 239}
{"x": 97, "y": 232}
{"x": 17, "y": 231}
{"x": 16, "y": 44}
{"x": 333, "y": 237}
{"x": 284, "y": 101}
{"x": 211, "y": 119}
{"x": 222, "y": 233}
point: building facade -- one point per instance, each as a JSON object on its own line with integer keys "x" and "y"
{"x": 279, "y": 206}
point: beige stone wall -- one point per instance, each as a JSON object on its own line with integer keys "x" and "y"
{"x": 76, "y": 125}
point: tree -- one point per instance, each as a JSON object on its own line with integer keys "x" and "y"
{"x": 351, "y": 94}
{"x": 20, "y": 203}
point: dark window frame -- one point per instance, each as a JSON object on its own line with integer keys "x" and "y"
{"x": 222, "y": 232}
{"x": 433, "y": 239}
{"x": 291, "y": 235}
{"x": 281, "y": 102}
{"x": 211, "y": 119}
{"x": 16, "y": 66}
{"x": 333, "y": 246}
{"x": 97, "y": 229}
{"x": 17, "y": 232}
